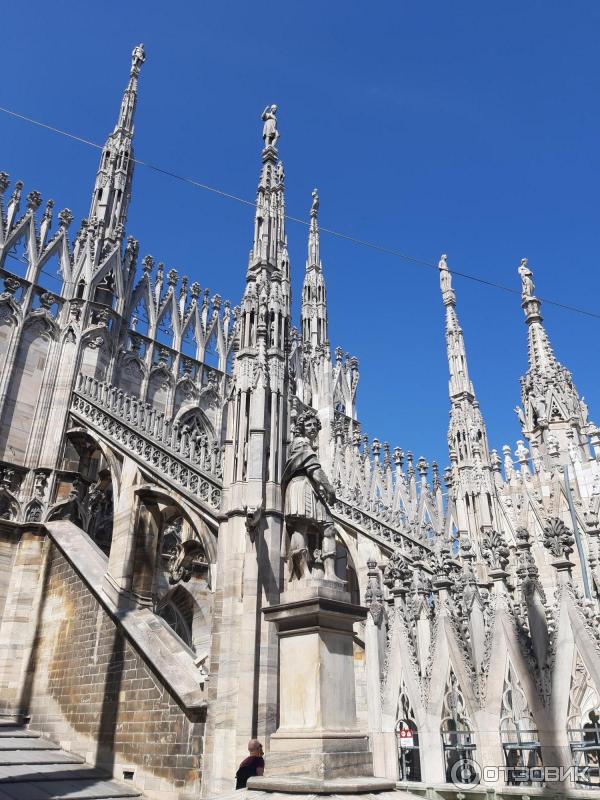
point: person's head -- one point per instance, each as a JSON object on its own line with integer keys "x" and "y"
{"x": 254, "y": 747}
{"x": 308, "y": 424}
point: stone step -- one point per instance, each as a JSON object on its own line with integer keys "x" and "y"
{"x": 12, "y": 730}
{"x": 66, "y": 790}
{"x": 26, "y": 743}
{"x": 34, "y": 768}
{"x": 18, "y": 757}
{"x": 49, "y": 772}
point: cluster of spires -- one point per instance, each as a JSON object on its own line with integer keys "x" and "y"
{"x": 105, "y": 226}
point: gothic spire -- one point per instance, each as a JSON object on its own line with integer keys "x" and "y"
{"x": 270, "y": 243}
{"x": 112, "y": 191}
{"x": 314, "y": 298}
{"x": 553, "y": 415}
{"x": 314, "y": 259}
{"x": 467, "y": 436}
{"x": 460, "y": 383}
{"x": 266, "y": 304}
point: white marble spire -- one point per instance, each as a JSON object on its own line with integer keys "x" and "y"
{"x": 112, "y": 190}
{"x": 314, "y": 297}
{"x": 552, "y": 412}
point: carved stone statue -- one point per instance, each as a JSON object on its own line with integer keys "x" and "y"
{"x": 138, "y": 57}
{"x": 315, "y": 203}
{"x": 270, "y": 132}
{"x": 308, "y": 494}
{"x": 445, "y": 277}
{"x": 527, "y": 286}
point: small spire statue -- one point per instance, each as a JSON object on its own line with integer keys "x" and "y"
{"x": 138, "y": 57}
{"x": 314, "y": 209}
{"x": 270, "y": 132}
{"x": 527, "y": 285}
{"x": 445, "y": 276}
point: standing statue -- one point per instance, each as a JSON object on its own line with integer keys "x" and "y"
{"x": 315, "y": 203}
{"x": 445, "y": 277}
{"x": 138, "y": 56}
{"x": 527, "y": 286}
{"x": 270, "y": 132}
{"x": 308, "y": 495}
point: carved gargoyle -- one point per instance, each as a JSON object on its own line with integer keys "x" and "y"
{"x": 253, "y": 514}
{"x": 181, "y": 562}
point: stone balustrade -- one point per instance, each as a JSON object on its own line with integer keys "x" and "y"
{"x": 193, "y": 462}
{"x": 386, "y": 533}
{"x": 173, "y": 450}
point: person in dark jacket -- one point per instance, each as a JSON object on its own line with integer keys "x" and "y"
{"x": 251, "y": 766}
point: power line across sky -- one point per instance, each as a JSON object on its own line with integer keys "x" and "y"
{"x": 338, "y": 234}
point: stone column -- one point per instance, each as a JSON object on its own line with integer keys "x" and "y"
{"x": 318, "y": 745}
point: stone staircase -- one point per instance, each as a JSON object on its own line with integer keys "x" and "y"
{"x": 34, "y": 768}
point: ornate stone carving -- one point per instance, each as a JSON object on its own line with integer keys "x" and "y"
{"x": 494, "y": 549}
{"x": 308, "y": 495}
{"x": 558, "y": 539}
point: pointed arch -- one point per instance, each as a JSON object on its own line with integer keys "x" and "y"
{"x": 211, "y": 356}
{"x": 27, "y": 380}
{"x": 407, "y": 734}
{"x": 458, "y": 739}
{"x": 141, "y": 317}
{"x": 131, "y": 374}
{"x": 518, "y": 733}
{"x": 160, "y": 384}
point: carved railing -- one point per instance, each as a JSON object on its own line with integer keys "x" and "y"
{"x": 170, "y": 449}
{"x": 365, "y": 521}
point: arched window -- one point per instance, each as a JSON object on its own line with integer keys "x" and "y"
{"x": 177, "y": 610}
{"x": 105, "y": 290}
{"x": 583, "y": 726}
{"x": 457, "y": 735}
{"x": 518, "y": 732}
{"x": 407, "y": 735}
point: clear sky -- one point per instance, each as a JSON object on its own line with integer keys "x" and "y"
{"x": 467, "y": 128}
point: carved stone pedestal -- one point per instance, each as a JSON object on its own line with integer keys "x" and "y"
{"x": 318, "y": 741}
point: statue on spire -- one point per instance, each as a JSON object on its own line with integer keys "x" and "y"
{"x": 527, "y": 285}
{"x": 445, "y": 276}
{"x": 314, "y": 209}
{"x": 138, "y": 57}
{"x": 270, "y": 132}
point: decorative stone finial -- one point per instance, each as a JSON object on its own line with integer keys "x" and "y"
{"x": 34, "y": 200}
{"x": 65, "y": 217}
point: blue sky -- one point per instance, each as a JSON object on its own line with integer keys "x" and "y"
{"x": 468, "y": 128}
